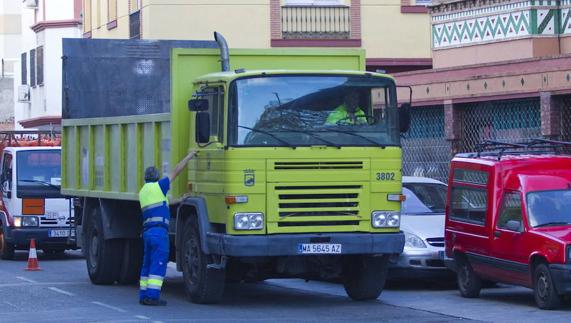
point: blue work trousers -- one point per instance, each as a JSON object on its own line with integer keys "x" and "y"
{"x": 155, "y": 261}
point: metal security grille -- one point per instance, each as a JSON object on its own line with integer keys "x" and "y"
{"x": 510, "y": 120}
{"x": 426, "y": 152}
{"x": 322, "y": 22}
{"x": 565, "y": 119}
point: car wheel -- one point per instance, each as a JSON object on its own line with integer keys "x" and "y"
{"x": 6, "y": 249}
{"x": 469, "y": 283}
{"x": 544, "y": 290}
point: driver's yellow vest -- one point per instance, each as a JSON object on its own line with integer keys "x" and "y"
{"x": 341, "y": 114}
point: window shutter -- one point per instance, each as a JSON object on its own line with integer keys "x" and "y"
{"x": 33, "y": 67}
{"x": 24, "y": 68}
{"x": 40, "y": 65}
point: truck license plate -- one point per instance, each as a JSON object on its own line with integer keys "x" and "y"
{"x": 60, "y": 233}
{"x": 319, "y": 248}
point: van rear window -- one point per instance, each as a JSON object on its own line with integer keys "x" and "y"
{"x": 469, "y": 205}
{"x": 470, "y": 176}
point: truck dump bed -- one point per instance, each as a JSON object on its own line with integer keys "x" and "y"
{"x": 125, "y": 105}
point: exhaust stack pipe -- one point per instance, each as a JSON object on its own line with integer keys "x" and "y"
{"x": 224, "y": 54}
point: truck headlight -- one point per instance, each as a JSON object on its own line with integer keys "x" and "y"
{"x": 385, "y": 219}
{"x": 413, "y": 241}
{"x": 248, "y": 221}
{"x": 25, "y": 221}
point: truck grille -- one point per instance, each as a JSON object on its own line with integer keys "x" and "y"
{"x": 298, "y": 206}
{"x": 45, "y": 222}
{"x": 318, "y": 165}
{"x": 436, "y": 242}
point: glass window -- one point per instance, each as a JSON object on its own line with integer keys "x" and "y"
{"x": 549, "y": 208}
{"x": 511, "y": 210}
{"x": 424, "y": 198}
{"x": 215, "y": 97}
{"x": 469, "y": 205}
{"x": 39, "y": 173}
{"x": 326, "y": 110}
{"x": 6, "y": 175}
{"x": 471, "y": 176}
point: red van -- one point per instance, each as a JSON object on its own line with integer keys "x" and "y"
{"x": 508, "y": 219}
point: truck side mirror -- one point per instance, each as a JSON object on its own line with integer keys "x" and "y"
{"x": 404, "y": 117}
{"x": 202, "y": 127}
{"x": 514, "y": 225}
{"x": 198, "y": 105}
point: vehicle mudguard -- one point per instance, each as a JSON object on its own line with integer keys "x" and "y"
{"x": 120, "y": 219}
{"x": 201, "y": 212}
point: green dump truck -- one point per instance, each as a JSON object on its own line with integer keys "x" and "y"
{"x": 287, "y": 183}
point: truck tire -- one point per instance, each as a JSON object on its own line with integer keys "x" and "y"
{"x": 101, "y": 255}
{"x": 364, "y": 277}
{"x": 132, "y": 261}
{"x": 6, "y": 249}
{"x": 544, "y": 289}
{"x": 469, "y": 283}
{"x": 203, "y": 285}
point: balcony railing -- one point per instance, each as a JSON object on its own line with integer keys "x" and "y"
{"x": 316, "y": 22}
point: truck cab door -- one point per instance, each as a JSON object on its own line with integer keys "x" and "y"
{"x": 509, "y": 250}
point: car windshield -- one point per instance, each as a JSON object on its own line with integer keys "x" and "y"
{"x": 313, "y": 110}
{"x": 39, "y": 173}
{"x": 424, "y": 198}
{"x": 549, "y": 208}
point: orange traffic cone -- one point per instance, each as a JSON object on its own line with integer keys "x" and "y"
{"x": 33, "y": 264}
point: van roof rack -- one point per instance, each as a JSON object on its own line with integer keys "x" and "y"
{"x": 535, "y": 146}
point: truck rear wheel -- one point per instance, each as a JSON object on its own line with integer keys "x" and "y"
{"x": 204, "y": 285}
{"x": 469, "y": 283}
{"x": 132, "y": 261}
{"x": 101, "y": 255}
{"x": 6, "y": 249}
{"x": 364, "y": 277}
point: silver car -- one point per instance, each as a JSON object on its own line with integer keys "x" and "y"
{"x": 422, "y": 222}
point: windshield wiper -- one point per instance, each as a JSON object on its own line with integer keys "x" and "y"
{"x": 40, "y": 182}
{"x": 356, "y": 135}
{"x": 551, "y": 224}
{"x": 269, "y": 134}
{"x": 309, "y": 133}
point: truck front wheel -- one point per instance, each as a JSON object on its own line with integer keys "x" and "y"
{"x": 204, "y": 285}
{"x": 364, "y": 277}
{"x": 6, "y": 249}
{"x": 101, "y": 255}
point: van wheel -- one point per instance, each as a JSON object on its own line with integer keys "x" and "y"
{"x": 6, "y": 249}
{"x": 203, "y": 285}
{"x": 101, "y": 255}
{"x": 544, "y": 290}
{"x": 364, "y": 277}
{"x": 469, "y": 283}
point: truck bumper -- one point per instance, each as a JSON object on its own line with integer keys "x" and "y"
{"x": 561, "y": 275}
{"x": 288, "y": 244}
{"x": 20, "y": 238}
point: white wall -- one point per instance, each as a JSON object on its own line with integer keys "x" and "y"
{"x": 46, "y": 99}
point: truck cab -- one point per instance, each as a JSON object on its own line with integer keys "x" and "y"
{"x": 508, "y": 220}
{"x": 31, "y": 205}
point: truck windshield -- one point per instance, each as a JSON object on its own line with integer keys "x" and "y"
{"x": 38, "y": 173}
{"x": 326, "y": 110}
{"x": 549, "y": 208}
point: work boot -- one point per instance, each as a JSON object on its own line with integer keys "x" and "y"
{"x": 154, "y": 302}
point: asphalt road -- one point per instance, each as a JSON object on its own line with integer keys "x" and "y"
{"x": 61, "y": 292}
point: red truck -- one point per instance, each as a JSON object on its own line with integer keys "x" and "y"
{"x": 508, "y": 218}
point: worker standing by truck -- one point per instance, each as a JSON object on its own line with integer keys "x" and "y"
{"x": 156, "y": 216}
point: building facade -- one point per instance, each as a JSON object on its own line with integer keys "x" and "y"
{"x": 38, "y": 77}
{"x": 502, "y": 71}
{"x": 395, "y": 33}
{"x": 10, "y": 32}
